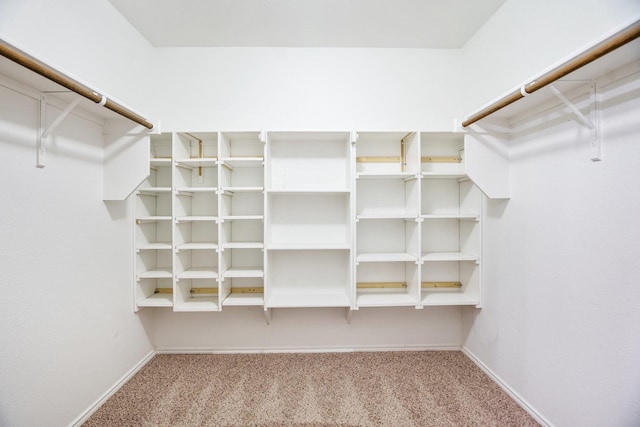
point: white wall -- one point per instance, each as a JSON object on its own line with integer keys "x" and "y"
{"x": 524, "y": 38}
{"x": 68, "y": 329}
{"x": 87, "y": 39}
{"x": 560, "y": 325}
{"x": 307, "y": 89}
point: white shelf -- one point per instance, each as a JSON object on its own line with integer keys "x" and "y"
{"x": 153, "y": 246}
{"x": 386, "y": 175}
{"x": 241, "y": 299}
{"x": 243, "y": 162}
{"x": 283, "y": 299}
{"x": 199, "y": 273}
{"x": 199, "y": 304}
{"x": 196, "y": 218}
{"x": 156, "y": 273}
{"x": 241, "y": 217}
{"x": 310, "y": 191}
{"x": 157, "y": 300}
{"x": 195, "y": 163}
{"x": 152, "y": 191}
{"x": 387, "y": 215}
{"x": 462, "y": 216}
{"x": 189, "y": 191}
{"x": 448, "y": 298}
{"x": 385, "y": 299}
{"x": 308, "y": 246}
{"x": 243, "y": 272}
{"x": 443, "y": 175}
{"x": 232, "y": 190}
{"x": 196, "y": 246}
{"x": 386, "y": 257}
{"x": 448, "y": 256}
{"x": 144, "y": 219}
{"x": 243, "y": 245}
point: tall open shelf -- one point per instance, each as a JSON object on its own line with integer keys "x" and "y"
{"x": 451, "y": 209}
{"x": 152, "y": 232}
{"x": 241, "y": 199}
{"x": 307, "y": 219}
{"x": 387, "y": 219}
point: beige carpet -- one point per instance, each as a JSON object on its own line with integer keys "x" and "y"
{"x": 441, "y": 388}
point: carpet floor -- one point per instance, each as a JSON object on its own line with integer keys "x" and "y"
{"x": 435, "y": 388}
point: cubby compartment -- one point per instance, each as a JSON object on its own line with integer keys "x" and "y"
{"x": 308, "y": 278}
{"x": 450, "y": 279}
{"x": 242, "y": 149}
{"x": 154, "y": 292}
{"x": 196, "y": 294}
{"x": 442, "y": 154}
{"x": 308, "y": 221}
{"x": 244, "y": 233}
{"x": 386, "y": 240}
{"x": 196, "y": 264}
{"x": 387, "y": 154}
{"x": 242, "y": 204}
{"x": 153, "y": 264}
{"x": 196, "y": 150}
{"x": 387, "y": 197}
{"x": 308, "y": 161}
{"x": 242, "y": 276}
{"x": 387, "y": 283}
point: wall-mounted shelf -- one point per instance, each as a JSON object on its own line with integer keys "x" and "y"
{"x": 307, "y": 219}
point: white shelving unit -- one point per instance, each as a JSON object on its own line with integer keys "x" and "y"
{"x": 387, "y": 219}
{"x": 451, "y": 208}
{"x": 307, "y": 219}
{"x": 308, "y": 228}
{"x": 153, "y": 239}
{"x": 241, "y": 200}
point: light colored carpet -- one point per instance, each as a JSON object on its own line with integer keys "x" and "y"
{"x": 438, "y": 388}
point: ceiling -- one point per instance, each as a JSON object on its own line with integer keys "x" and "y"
{"x": 440, "y": 24}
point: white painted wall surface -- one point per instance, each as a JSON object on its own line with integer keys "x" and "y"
{"x": 245, "y": 329}
{"x": 68, "y": 330}
{"x": 87, "y": 39}
{"x": 560, "y": 325}
{"x": 306, "y": 89}
{"x": 525, "y": 38}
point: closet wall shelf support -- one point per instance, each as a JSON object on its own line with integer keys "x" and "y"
{"x": 441, "y": 284}
{"x": 41, "y": 146}
{"x": 590, "y": 122}
{"x": 381, "y": 285}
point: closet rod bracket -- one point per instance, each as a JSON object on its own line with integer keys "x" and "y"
{"x": 590, "y": 122}
{"x": 45, "y": 131}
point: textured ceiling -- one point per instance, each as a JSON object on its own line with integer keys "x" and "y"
{"x": 308, "y": 23}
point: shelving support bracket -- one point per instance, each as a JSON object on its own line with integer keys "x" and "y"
{"x": 45, "y": 131}
{"x": 267, "y": 315}
{"x": 590, "y": 122}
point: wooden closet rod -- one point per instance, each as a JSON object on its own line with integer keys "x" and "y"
{"x": 609, "y": 44}
{"x": 27, "y": 61}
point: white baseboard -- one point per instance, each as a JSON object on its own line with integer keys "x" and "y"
{"x": 114, "y": 388}
{"x": 507, "y": 389}
{"x": 250, "y": 350}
